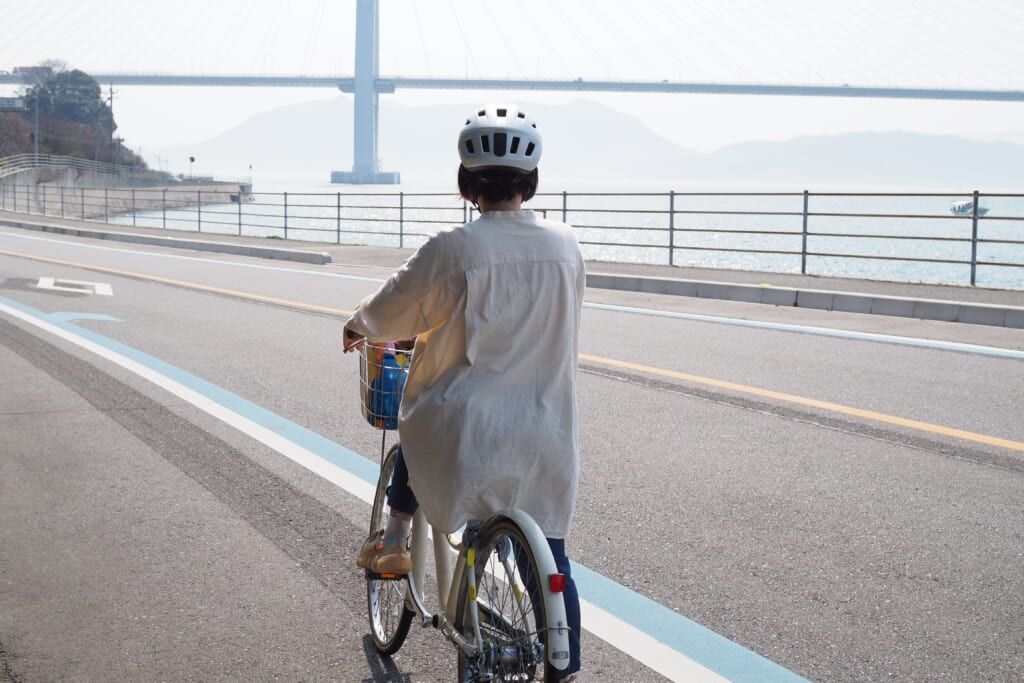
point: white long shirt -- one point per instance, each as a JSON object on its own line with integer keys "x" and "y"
{"x": 488, "y": 419}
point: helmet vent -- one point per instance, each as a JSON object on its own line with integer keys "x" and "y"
{"x": 500, "y": 144}
{"x": 500, "y": 136}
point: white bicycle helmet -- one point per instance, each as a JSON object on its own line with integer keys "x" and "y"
{"x": 500, "y": 136}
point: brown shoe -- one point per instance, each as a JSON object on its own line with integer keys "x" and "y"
{"x": 369, "y": 549}
{"x": 391, "y": 556}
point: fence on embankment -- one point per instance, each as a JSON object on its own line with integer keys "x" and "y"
{"x": 893, "y": 236}
{"x": 49, "y": 169}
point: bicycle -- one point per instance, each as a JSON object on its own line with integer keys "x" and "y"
{"x": 500, "y": 600}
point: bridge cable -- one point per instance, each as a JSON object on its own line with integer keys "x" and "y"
{"x": 419, "y": 31}
{"x": 462, "y": 32}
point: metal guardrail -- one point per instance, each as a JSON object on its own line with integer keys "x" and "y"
{"x": 895, "y": 236}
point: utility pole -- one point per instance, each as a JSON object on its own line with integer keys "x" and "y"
{"x": 35, "y": 134}
{"x": 110, "y": 104}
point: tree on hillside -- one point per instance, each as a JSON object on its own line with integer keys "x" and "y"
{"x": 74, "y": 118}
{"x": 15, "y": 134}
{"x": 72, "y": 96}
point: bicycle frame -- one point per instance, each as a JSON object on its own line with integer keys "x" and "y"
{"x": 449, "y": 577}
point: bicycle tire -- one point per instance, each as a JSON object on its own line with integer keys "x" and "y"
{"x": 385, "y": 598}
{"x": 513, "y": 648}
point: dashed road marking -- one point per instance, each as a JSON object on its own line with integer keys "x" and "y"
{"x": 76, "y": 286}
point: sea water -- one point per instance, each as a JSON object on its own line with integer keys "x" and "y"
{"x": 851, "y": 232}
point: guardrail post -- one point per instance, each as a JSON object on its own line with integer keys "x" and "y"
{"x": 239, "y": 210}
{"x": 199, "y": 210}
{"x": 82, "y": 197}
{"x": 44, "y": 199}
{"x": 286, "y": 215}
{"x": 338, "y": 221}
{"x": 565, "y": 206}
{"x": 163, "y": 207}
{"x": 974, "y": 239}
{"x": 401, "y": 220}
{"x": 62, "y": 201}
{"x": 803, "y": 246}
{"x": 106, "y": 205}
{"x": 133, "y": 207}
{"x": 671, "y": 227}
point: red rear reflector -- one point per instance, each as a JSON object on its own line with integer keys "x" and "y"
{"x": 556, "y": 582}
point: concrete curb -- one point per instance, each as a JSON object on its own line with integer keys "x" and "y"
{"x": 925, "y": 309}
{"x": 315, "y": 257}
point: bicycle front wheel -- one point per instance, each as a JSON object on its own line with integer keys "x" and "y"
{"x": 509, "y": 607}
{"x": 385, "y": 597}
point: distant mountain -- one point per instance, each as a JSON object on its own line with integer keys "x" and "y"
{"x": 588, "y": 140}
{"x": 593, "y": 141}
{"x": 1014, "y": 136}
{"x": 894, "y": 158}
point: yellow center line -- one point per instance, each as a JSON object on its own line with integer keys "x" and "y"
{"x": 183, "y": 283}
{"x": 721, "y": 384}
{"x": 813, "y": 403}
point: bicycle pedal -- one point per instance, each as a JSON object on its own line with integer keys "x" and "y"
{"x": 374, "y": 576}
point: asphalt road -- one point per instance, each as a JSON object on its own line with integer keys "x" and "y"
{"x": 846, "y": 509}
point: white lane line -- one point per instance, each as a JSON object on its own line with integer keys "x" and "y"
{"x": 644, "y": 648}
{"x": 822, "y": 331}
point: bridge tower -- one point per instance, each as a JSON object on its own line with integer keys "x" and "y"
{"x": 366, "y": 166}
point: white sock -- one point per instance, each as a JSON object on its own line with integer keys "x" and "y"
{"x": 397, "y": 527}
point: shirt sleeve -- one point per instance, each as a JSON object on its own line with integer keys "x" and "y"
{"x": 417, "y": 297}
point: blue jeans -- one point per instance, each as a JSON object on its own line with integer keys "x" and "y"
{"x": 401, "y": 498}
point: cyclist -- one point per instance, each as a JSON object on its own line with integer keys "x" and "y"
{"x": 489, "y": 418}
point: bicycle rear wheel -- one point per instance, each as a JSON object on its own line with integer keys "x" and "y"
{"x": 385, "y": 597}
{"x": 510, "y": 610}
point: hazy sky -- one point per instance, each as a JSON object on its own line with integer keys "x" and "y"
{"x": 931, "y": 43}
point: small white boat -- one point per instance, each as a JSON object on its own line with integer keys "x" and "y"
{"x": 966, "y": 208}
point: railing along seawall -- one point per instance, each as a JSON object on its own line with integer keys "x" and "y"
{"x": 18, "y": 163}
{"x": 893, "y": 236}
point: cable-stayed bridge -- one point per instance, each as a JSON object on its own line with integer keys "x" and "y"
{"x": 391, "y": 84}
{"x": 367, "y": 85}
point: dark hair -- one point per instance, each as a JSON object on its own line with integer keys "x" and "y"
{"x": 497, "y": 184}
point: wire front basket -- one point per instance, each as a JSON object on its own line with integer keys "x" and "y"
{"x": 382, "y": 372}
